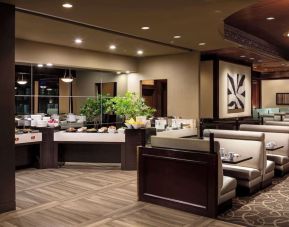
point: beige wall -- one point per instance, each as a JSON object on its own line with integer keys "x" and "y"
{"x": 34, "y": 52}
{"x": 182, "y": 73}
{"x": 232, "y": 69}
{"x": 206, "y": 89}
{"x": 85, "y": 84}
{"x": 269, "y": 90}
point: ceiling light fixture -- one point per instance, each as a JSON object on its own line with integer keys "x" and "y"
{"x": 118, "y": 72}
{"x": 67, "y": 5}
{"x": 252, "y": 58}
{"x": 127, "y": 72}
{"x": 270, "y": 18}
{"x": 78, "y": 41}
{"x": 49, "y": 89}
{"x": 202, "y": 44}
{"x": 145, "y": 28}
{"x": 67, "y": 79}
{"x": 40, "y": 65}
{"x": 286, "y": 34}
{"x": 139, "y": 52}
{"x": 112, "y": 47}
{"x": 43, "y": 86}
{"x": 242, "y": 56}
{"x": 22, "y": 81}
{"x": 177, "y": 37}
{"x": 49, "y": 64}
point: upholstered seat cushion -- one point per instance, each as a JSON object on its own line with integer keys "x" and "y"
{"x": 270, "y": 166}
{"x": 229, "y": 184}
{"x": 278, "y": 159}
{"x": 240, "y": 172}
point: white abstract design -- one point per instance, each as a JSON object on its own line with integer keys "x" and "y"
{"x": 236, "y": 93}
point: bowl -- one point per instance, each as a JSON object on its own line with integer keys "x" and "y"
{"x": 137, "y": 126}
{"x": 128, "y": 125}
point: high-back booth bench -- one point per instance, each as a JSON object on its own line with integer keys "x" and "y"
{"x": 184, "y": 174}
{"x": 252, "y": 174}
{"x": 280, "y": 135}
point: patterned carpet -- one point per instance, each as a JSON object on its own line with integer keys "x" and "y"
{"x": 269, "y": 207}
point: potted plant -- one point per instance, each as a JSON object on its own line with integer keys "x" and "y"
{"x": 129, "y": 106}
{"x": 93, "y": 108}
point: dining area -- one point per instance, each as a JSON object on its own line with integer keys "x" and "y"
{"x": 219, "y": 174}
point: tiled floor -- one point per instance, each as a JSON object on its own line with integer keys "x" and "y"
{"x": 89, "y": 196}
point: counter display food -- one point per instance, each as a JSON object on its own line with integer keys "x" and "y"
{"x": 64, "y": 136}
{"x": 28, "y": 138}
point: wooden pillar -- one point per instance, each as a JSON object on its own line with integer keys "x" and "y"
{"x": 7, "y": 105}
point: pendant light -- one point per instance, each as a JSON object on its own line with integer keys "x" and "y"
{"x": 67, "y": 79}
{"x": 22, "y": 81}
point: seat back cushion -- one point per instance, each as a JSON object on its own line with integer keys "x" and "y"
{"x": 245, "y": 148}
{"x": 278, "y": 134}
{"x": 190, "y": 145}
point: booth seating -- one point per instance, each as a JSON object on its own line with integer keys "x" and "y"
{"x": 251, "y": 174}
{"x": 280, "y": 135}
{"x": 185, "y": 174}
{"x": 279, "y": 123}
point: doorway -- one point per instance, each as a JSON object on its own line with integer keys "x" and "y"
{"x": 155, "y": 94}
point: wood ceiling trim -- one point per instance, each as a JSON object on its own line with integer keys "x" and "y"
{"x": 252, "y": 42}
{"x": 90, "y": 26}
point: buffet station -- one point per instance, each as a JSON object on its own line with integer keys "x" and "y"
{"x": 51, "y": 142}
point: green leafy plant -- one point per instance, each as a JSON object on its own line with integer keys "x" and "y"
{"x": 129, "y": 106}
{"x": 94, "y": 107}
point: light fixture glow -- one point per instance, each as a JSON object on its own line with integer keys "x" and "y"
{"x": 140, "y": 52}
{"x": 252, "y": 58}
{"x": 22, "y": 81}
{"x": 177, "y": 37}
{"x": 202, "y": 44}
{"x": 78, "y": 41}
{"x": 242, "y": 56}
{"x": 67, "y": 5}
{"x": 145, "y": 28}
{"x": 49, "y": 89}
{"x": 42, "y": 86}
{"x": 49, "y": 64}
{"x": 112, "y": 47}
{"x": 40, "y": 65}
{"x": 118, "y": 72}
{"x": 270, "y": 18}
{"x": 127, "y": 72}
{"x": 67, "y": 79}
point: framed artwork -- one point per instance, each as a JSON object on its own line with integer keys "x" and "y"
{"x": 236, "y": 93}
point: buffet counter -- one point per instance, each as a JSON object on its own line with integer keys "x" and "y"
{"x": 28, "y": 150}
{"x": 89, "y": 137}
{"x": 28, "y": 138}
{"x": 186, "y": 132}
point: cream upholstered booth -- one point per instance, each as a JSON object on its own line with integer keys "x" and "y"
{"x": 250, "y": 174}
{"x": 280, "y": 135}
{"x": 201, "y": 151}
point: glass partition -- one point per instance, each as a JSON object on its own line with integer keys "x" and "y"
{"x": 43, "y": 90}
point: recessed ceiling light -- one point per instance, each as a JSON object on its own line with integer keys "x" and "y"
{"x": 286, "y": 34}
{"x": 49, "y": 89}
{"x": 252, "y": 58}
{"x": 260, "y": 60}
{"x": 140, "y": 52}
{"x": 112, "y": 47}
{"x": 177, "y": 37}
{"x": 67, "y": 5}
{"x": 40, "y": 65}
{"x": 270, "y": 18}
{"x": 49, "y": 64}
{"x": 242, "y": 56}
{"x": 202, "y": 44}
{"x": 127, "y": 72}
{"x": 78, "y": 41}
{"x": 118, "y": 72}
{"x": 255, "y": 67}
{"x": 145, "y": 28}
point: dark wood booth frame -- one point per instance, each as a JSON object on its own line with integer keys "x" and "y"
{"x": 180, "y": 179}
